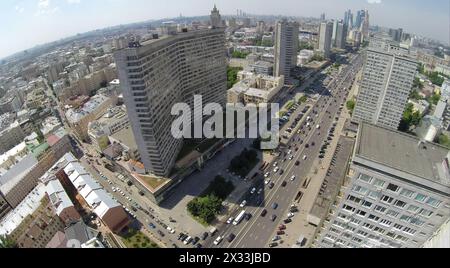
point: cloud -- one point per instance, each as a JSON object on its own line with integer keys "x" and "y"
{"x": 73, "y": 1}
{"x": 19, "y": 9}
{"x": 374, "y": 1}
{"x": 45, "y": 8}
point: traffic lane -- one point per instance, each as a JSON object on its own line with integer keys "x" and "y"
{"x": 308, "y": 162}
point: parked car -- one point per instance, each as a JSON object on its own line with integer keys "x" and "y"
{"x": 218, "y": 240}
{"x": 264, "y": 213}
{"x": 231, "y": 237}
{"x": 205, "y": 235}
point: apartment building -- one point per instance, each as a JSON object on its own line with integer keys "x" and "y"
{"x": 164, "y": 71}
{"x": 286, "y": 48}
{"x": 396, "y": 193}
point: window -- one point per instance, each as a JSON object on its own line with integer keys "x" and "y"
{"x": 368, "y": 226}
{"x": 433, "y": 202}
{"x": 357, "y": 239}
{"x": 401, "y": 238}
{"x": 354, "y": 199}
{"x": 385, "y": 222}
{"x": 413, "y": 209}
{"x": 351, "y": 229}
{"x": 360, "y": 189}
{"x": 361, "y": 213}
{"x": 379, "y": 230}
{"x": 373, "y": 217}
{"x": 392, "y": 213}
{"x": 367, "y": 204}
{"x": 374, "y": 195}
{"x": 379, "y": 183}
{"x": 405, "y": 218}
{"x": 406, "y": 193}
{"x": 355, "y": 221}
{"x": 398, "y": 226}
{"x": 334, "y": 230}
{"x": 348, "y": 208}
{"x": 387, "y": 199}
{"x": 409, "y": 231}
{"x": 420, "y": 197}
{"x": 418, "y": 222}
{"x": 426, "y": 213}
{"x": 399, "y": 204}
{"x": 361, "y": 232}
{"x": 391, "y": 235}
{"x": 392, "y": 187}
{"x": 380, "y": 209}
{"x": 365, "y": 178}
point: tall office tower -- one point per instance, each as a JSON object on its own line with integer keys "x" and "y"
{"x": 326, "y": 32}
{"x": 333, "y": 35}
{"x": 286, "y": 48}
{"x": 396, "y": 193}
{"x": 260, "y": 27}
{"x": 322, "y": 17}
{"x": 365, "y": 26}
{"x": 386, "y": 84}
{"x": 162, "y": 72}
{"x": 341, "y": 35}
{"x": 396, "y": 34}
{"x": 359, "y": 19}
{"x": 348, "y": 19}
{"x": 216, "y": 20}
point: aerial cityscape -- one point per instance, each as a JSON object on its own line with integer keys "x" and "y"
{"x": 232, "y": 129}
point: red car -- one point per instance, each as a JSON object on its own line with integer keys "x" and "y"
{"x": 282, "y": 227}
{"x": 280, "y": 233}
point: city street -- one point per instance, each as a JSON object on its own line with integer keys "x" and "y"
{"x": 258, "y": 231}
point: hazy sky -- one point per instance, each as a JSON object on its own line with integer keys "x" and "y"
{"x": 25, "y": 23}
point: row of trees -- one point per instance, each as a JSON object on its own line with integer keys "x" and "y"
{"x": 239, "y": 54}
{"x": 209, "y": 204}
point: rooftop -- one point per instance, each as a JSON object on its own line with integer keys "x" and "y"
{"x": 75, "y": 115}
{"x": 125, "y": 137}
{"x": 14, "y": 175}
{"x": 402, "y": 152}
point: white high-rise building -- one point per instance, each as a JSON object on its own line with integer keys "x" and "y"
{"x": 325, "y": 38}
{"x": 396, "y": 194}
{"x": 387, "y": 81}
{"x": 161, "y": 72}
{"x": 286, "y": 47}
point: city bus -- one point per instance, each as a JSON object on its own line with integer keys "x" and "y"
{"x": 239, "y": 218}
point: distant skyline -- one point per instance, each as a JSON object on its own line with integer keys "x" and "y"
{"x": 27, "y": 23}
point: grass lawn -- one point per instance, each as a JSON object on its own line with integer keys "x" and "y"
{"x": 152, "y": 181}
{"x": 136, "y": 239}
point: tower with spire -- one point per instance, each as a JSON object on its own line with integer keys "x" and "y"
{"x": 216, "y": 20}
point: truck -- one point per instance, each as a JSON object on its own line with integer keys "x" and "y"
{"x": 239, "y": 218}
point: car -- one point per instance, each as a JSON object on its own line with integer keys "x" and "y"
{"x": 272, "y": 245}
{"x": 188, "y": 240}
{"x": 276, "y": 238}
{"x": 195, "y": 241}
{"x": 243, "y": 204}
{"x": 307, "y": 146}
{"x": 284, "y": 184}
{"x": 260, "y": 191}
{"x": 275, "y": 170}
{"x": 253, "y": 191}
{"x": 286, "y": 221}
{"x": 275, "y": 164}
{"x": 264, "y": 213}
{"x": 161, "y": 233}
{"x": 248, "y": 216}
{"x": 205, "y": 235}
{"x": 151, "y": 225}
{"x": 199, "y": 246}
{"x": 293, "y": 178}
{"x": 281, "y": 232}
{"x": 267, "y": 175}
{"x": 282, "y": 227}
{"x": 271, "y": 185}
{"x": 282, "y": 172}
{"x": 267, "y": 182}
{"x": 297, "y": 163}
{"x": 321, "y": 156}
{"x": 274, "y": 205}
{"x": 170, "y": 230}
{"x": 305, "y": 157}
{"x": 230, "y": 220}
{"x": 290, "y": 152}
{"x": 290, "y": 215}
{"x": 313, "y": 144}
{"x": 218, "y": 240}
{"x": 231, "y": 237}
{"x": 291, "y": 157}
{"x": 274, "y": 217}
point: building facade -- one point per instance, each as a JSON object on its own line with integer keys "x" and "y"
{"x": 387, "y": 80}
{"x": 325, "y": 37}
{"x": 396, "y": 193}
{"x": 162, "y": 72}
{"x": 286, "y": 48}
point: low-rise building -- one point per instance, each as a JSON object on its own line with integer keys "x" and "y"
{"x": 61, "y": 203}
{"x": 255, "y": 89}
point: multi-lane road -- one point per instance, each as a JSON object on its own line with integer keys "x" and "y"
{"x": 259, "y": 231}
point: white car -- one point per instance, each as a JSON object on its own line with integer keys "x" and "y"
{"x": 291, "y": 215}
{"x": 267, "y": 175}
{"x": 218, "y": 240}
{"x": 243, "y": 204}
{"x": 275, "y": 164}
{"x": 114, "y": 189}
{"x": 253, "y": 191}
{"x": 275, "y": 170}
{"x": 291, "y": 157}
{"x": 290, "y": 152}
{"x": 230, "y": 220}
{"x": 293, "y": 178}
{"x": 260, "y": 191}
{"x": 172, "y": 231}
{"x": 267, "y": 182}
{"x": 305, "y": 157}
{"x": 187, "y": 240}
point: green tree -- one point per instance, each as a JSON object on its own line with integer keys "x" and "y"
{"x": 434, "y": 99}
{"x": 444, "y": 140}
{"x": 6, "y": 242}
{"x": 351, "y": 106}
{"x": 239, "y": 54}
{"x": 410, "y": 118}
{"x": 232, "y": 76}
